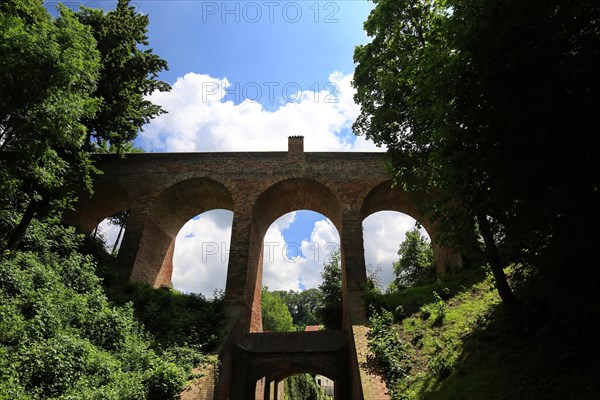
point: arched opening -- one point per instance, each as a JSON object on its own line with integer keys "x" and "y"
{"x": 111, "y": 231}
{"x": 201, "y": 253}
{"x": 274, "y": 260}
{"x": 169, "y": 212}
{"x": 384, "y": 232}
{"x": 297, "y": 247}
{"x": 297, "y": 385}
{"x": 384, "y": 197}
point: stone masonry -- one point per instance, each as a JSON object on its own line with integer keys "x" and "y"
{"x": 163, "y": 191}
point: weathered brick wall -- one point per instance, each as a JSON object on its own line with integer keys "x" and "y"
{"x": 203, "y": 387}
{"x": 163, "y": 191}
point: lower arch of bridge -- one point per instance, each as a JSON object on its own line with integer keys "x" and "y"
{"x": 169, "y": 212}
{"x": 275, "y": 372}
{"x": 281, "y": 376}
{"x": 279, "y": 199}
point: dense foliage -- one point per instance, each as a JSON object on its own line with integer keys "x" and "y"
{"x": 70, "y": 85}
{"x": 303, "y": 387}
{"x": 174, "y": 318}
{"x": 303, "y": 306}
{"x": 415, "y": 266}
{"x": 275, "y": 315}
{"x": 331, "y": 288}
{"x": 489, "y": 106}
{"x": 61, "y": 338}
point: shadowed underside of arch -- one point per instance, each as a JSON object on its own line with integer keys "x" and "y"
{"x": 154, "y": 261}
{"x": 384, "y": 197}
{"x": 296, "y": 194}
{"x": 109, "y": 198}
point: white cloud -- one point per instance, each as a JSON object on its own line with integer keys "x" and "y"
{"x": 202, "y": 253}
{"x": 199, "y": 119}
{"x": 300, "y": 267}
{"x": 383, "y": 232}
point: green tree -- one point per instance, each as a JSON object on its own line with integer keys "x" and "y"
{"x": 69, "y": 85}
{"x": 303, "y": 306}
{"x": 128, "y": 73}
{"x": 489, "y": 107}
{"x": 331, "y": 311}
{"x": 61, "y": 337}
{"x": 416, "y": 261}
{"x": 48, "y": 72}
{"x": 275, "y": 315}
{"x": 303, "y": 387}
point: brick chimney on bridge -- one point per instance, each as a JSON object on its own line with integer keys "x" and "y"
{"x": 296, "y": 148}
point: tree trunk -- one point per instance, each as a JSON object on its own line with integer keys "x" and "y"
{"x": 114, "y": 249}
{"x": 18, "y": 233}
{"x": 491, "y": 251}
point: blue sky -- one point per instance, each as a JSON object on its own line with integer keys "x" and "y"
{"x": 268, "y": 43}
{"x": 245, "y": 76}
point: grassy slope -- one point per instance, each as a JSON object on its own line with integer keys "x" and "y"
{"x": 466, "y": 347}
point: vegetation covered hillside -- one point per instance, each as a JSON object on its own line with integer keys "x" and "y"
{"x": 61, "y": 337}
{"x": 490, "y": 107}
{"x": 455, "y": 340}
{"x": 71, "y": 85}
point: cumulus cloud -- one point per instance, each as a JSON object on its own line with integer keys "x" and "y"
{"x": 383, "y": 232}
{"x": 291, "y": 266}
{"x": 202, "y": 253}
{"x": 200, "y": 118}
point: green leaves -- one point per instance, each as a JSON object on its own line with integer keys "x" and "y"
{"x": 331, "y": 311}
{"x": 386, "y": 347}
{"x": 275, "y": 315}
{"x": 60, "y": 337}
{"x": 128, "y": 73}
{"x": 491, "y": 109}
{"x": 70, "y": 85}
{"x": 415, "y": 266}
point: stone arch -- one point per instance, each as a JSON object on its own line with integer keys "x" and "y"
{"x": 296, "y": 194}
{"x": 274, "y": 356}
{"x": 278, "y": 370}
{"x": 281, "y": 198}
{"x": 171, "y": 209}
{"x": 109, "y": 198}
{"x": 384, "y": 197}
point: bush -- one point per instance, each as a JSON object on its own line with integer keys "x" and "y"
{"x": 61, "y": 338}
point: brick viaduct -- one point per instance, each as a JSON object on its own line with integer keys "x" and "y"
{"x": 163, "y": 191}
